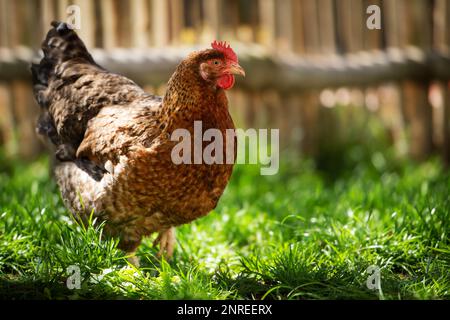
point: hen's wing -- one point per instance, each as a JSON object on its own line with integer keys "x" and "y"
{"x": 116, "y": 129}
{"x": 97, "y": 114}
{"x": 72, "y": 89}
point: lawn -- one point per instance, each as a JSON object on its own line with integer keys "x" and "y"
{"x": 300, "y": 234}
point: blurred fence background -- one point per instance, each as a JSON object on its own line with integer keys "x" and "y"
{"x": 314, "y": 69}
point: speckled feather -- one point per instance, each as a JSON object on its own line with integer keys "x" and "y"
{"x": 122, "y": 167}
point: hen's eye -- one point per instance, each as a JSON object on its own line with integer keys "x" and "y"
{"x": 216, "y": 62}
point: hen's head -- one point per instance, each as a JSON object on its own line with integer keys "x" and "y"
{"x": 219, "y": 65}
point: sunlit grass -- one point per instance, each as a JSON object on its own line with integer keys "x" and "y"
{"x": 295, "y": 235}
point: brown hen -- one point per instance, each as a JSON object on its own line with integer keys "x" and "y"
{"x": 112, "y": 141}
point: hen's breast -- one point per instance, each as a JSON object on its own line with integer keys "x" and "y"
{"x": 149, "y": 183}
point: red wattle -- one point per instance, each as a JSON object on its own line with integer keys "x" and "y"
{"x": 226, "y": 81}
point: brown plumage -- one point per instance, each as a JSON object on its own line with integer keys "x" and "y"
{"x": 112, "y": 140}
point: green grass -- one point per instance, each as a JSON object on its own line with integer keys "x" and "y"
{"x": 295, "y": 235}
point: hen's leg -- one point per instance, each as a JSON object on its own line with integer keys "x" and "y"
{"x": 166, "y": 241}
{"x": 130, "y": 247}
{"x": 133, "y": 259}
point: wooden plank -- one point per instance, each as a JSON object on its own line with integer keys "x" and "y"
{"x": 122, "y": 24}
{"x": 230, "y": 19}
{"x": 34, "y": 32}
{"x": 138, "y": 23}
{"x": 405, "y": 34}
{"x": 47, "y": 15}
{"x": 213, "y": 18}
{"x": 446, "y": 123}
{"x": 414, "y": 19}
{"x": 423, "y": 24}
{"x": 350, "y": 17}
{"x": 242, "y": 107}
{"x": 87, "y": 31}
{"x": 246, "y": 29}
{"x": 160, "y": 23}
{"x": 390, "y": 112}
{"x": 176, "y": 20}
{"x": 289, "y": 121}
{"x": 108, "y": 24}
{"x": 263, "y": 71}
{"x": 309, "y": 113}
{"x": 254, "y": 22}
{"x": 311, "y": 27}
{"x": 61, "y": 10}
{"x": 391, "y": 23}
{"x": 419, "y": 118}
{"x": 343, "y": 18}
{"x": 15, "y": 21}
{"x": 26, "y": 111}
{"x": 98, "y": 28}
{"x": 7, "y": 120}
{"x": 326, "y": 26}
{"x": 373, "y": 38}
{"x": 4, "y": 25}
{"x": 357, "y": 26}
{"x": 268, "y": 25}
{"x": 293, "y": 115}
{"x": 298, "y": 38}
{"x": 267, "y": 109}
{"x": 284, "y": 30}
{"x": 442, "y": 26}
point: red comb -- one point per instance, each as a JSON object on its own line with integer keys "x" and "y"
{"x": 226, "y": 49}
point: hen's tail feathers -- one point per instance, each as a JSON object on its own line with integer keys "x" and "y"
{"x": 61, "y": 44}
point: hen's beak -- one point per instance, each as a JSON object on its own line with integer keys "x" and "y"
{"x": 236, "y": 69}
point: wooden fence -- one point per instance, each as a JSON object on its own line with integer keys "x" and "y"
{"x": 301, "y": 56}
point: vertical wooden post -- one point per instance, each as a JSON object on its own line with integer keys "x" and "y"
{"x": 418, "y": 115}
{"x": 14, "y": 21}
{"x": 350, "y": 24}
{"x": 446, "y": 124}
{"x": 47, "y": 15}
{"x": 298, "y": 37}
{"x": 139, "y": 23}
{"x": 441, "y": 28}
{"x": 372, "y": 38}
{"x": 273, "y": 111}
{"x": 212, "y": 10}
{"x": 290, "y": 127}
{"x": 311, "y": 27}
{"x": 391, "y": 26}
{"x": 309, "y": 113}
{"x": 254, "y": 20}
{"x": 326, "y": 26}
{"x": 417, "y": 107}
{"x": 26, "y": 113}
{"x": 87, "y": 32}
{"x": 268, "y": 27}
{"x": 392, "y": 116}
{"x": 33, "y": 36}
{"x": 108, "y": 24}
{"x": 284, "y": 29}
{"x": 7, "y": 120}
{"x": 122, "y": 24}
{"x": 343, "y": 19}
{"x": 176, "y": 20}
{"x": 160, "y": 23}
{"x": 4, "y": 25}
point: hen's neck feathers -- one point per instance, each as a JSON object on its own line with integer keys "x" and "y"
{"x": 189, "y": 97}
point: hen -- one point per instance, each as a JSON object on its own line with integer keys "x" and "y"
{"x": 112, "y": 141}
